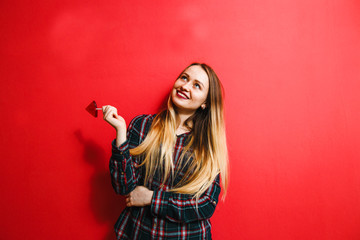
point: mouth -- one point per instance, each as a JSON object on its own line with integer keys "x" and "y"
{"x": 181, "y": 94}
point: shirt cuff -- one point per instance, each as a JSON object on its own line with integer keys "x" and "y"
{"x": 160, "y": 202}
{"x": 124, "y": 146}
{"x": 122, "y": 150}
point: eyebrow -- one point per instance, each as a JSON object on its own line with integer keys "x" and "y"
{"x": 194, "y": 79}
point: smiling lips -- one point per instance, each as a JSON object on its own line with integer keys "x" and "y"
{"x": 182, "y": 94}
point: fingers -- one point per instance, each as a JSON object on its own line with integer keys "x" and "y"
{"x": 128, "y": 201}
{"x": 109, "y": 111}
{"x": 106, "y": 108}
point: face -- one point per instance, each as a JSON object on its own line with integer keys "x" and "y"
{"x": 190, "y": 89}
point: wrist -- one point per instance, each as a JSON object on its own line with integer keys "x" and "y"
{"x": 120, "y": 129}
{"x": 120, "y": 137}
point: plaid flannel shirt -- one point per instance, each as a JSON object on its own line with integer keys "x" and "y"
{"x": 170, "y": 215}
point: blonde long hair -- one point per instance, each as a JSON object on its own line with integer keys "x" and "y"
{"x": 205, "y": 155}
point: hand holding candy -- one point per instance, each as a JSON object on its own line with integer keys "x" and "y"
{"x": 111, "y": 116}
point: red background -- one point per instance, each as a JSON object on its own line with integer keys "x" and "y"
{"x": 291, "y": 75}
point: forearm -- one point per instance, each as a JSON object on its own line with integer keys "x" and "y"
{"x": 124, "y": 175}
{"x": 120, "y": 137}
{"x": 124, "y": 172}
{"x": 179, "y": 207}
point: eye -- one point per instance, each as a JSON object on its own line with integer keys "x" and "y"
{"x": 197, "y": 85}
{"x": 184, "y": 78}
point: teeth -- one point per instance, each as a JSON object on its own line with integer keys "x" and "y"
{"x": 181, "y": 94}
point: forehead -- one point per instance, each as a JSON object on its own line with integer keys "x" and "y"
{"x": 197, "y": 73}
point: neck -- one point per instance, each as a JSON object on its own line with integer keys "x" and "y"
{"x": 182, "y": 117}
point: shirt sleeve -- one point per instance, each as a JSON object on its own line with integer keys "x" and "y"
{"x": 124, "y": 173}
{"x": 178, "y": 207}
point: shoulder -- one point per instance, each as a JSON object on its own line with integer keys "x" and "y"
{"x": 140, "y": 126}
{"x": 142, "y": 121}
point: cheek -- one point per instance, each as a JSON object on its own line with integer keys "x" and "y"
{"x": 173, "y": 92}
{"x": 173, "y": 88}
{"x": 203, "y": 96}
{"x": 177, "y": 84}
{"x": 199, "y": 98}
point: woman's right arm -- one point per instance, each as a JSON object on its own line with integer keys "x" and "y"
{"x": 123, "y": 170}
{"x": 117, "y": 122}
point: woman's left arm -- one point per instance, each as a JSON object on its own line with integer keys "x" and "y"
{"x": 178, "y": 207}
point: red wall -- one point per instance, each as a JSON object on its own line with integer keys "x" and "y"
{"x": 291, "y": 75}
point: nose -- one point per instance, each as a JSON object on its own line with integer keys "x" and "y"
{"x": 185, "y": 86}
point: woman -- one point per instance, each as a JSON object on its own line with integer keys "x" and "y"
{"x": 169, "y": 165}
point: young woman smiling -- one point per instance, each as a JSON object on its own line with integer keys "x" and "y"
{"x": 168, "y": 165}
